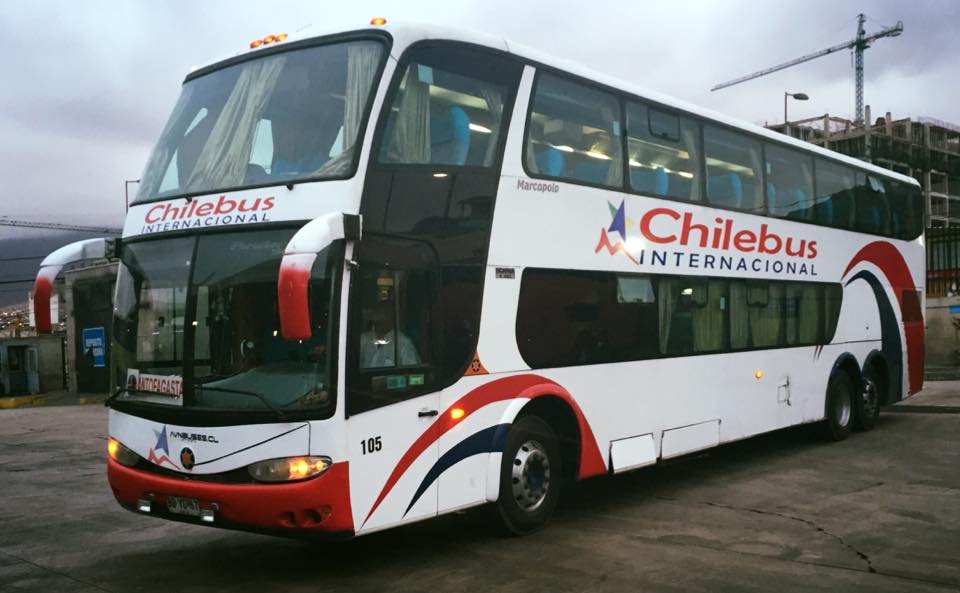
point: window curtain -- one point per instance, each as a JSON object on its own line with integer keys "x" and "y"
{"x": 708, "y": 319}
{"x": 808, "y": 314}
{"x": 666, "y": 305}
{"x": 362, "y": 62}
{"x": 223, "y": 160}
{"x": 691, "y": 138}
{"x": 739, "y": 316}
{"x": 766, "y": 314}
{"x": 170, "y": 139}
{"x": 756, "y": 162}
{"x": 832, "y": 300}
{"x": 494, "y": 99}
{"x": 615, "y": 172}
{"x": 410, "y": 139}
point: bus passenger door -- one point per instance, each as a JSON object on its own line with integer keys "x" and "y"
{"x": 392, "y": 401}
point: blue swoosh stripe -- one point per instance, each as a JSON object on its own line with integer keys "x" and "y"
{"x": 488, "y": 440}
{"x": 889, "y": 331}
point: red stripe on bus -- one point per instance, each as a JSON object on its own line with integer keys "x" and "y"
{"x": 42, "y": 290}
{"x": 515, "y": 387}
{"x": 293, "y": 298}
{"x": 320, "y": 504}
{"x": 886, "y": 257}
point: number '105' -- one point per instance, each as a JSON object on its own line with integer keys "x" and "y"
{"x": 370, "y": 445}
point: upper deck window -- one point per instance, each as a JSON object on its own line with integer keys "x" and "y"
{"x": 574, "y": 133}
{"x": 285, "y": 117}
{"x": 442, "y": 115}
{"x": 789, "y": 183}
{"x": 734, "y": 172}
{"x": 664, "y": 158}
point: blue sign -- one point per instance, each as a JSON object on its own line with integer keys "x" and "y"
{"x": 954, "y": 309}
{"x": 94, "y": 346}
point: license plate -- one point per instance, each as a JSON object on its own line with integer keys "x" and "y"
{"x": 183, "y": 506}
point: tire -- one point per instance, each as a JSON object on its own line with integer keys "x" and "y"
{"x": 840, "y": 404}
{"x": 530, "y": 475}
{"x": 867, "y": 408}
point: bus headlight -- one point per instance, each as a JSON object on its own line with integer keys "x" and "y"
{"x": 121, "y": 454}
{"x": 288, "y": 469}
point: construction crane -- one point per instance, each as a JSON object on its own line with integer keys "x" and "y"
{"x": 56, "y": 226}
{"x": 858, "y": 45}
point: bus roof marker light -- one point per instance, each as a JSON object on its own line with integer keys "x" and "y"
{"x": 256, "y": 43}
{"x": 378, "y": 21}
{"x": 758, "y": 375}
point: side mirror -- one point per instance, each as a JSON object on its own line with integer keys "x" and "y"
{"x": 294, "y": 279}
{"x": 50, "y": 268}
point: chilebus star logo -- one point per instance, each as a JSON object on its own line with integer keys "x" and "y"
{"x": 619, "y": 225}
{"x": 154, "y": 456}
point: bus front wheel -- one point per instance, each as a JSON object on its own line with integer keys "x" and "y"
{"x": 841, "y": 395}
{"x": 530, "y": 475}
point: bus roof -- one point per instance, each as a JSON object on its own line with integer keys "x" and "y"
{"x": 407, "y": 33}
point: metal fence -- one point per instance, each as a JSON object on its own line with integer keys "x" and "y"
{"x": 943, "y": 262}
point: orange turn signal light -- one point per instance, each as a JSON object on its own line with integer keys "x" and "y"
{"x": 378, "y": 21}
{"x": 457, "y": 413}
{"x": 758, "y": 375}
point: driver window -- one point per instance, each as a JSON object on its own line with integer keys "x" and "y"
{"x": 393, "y": 332}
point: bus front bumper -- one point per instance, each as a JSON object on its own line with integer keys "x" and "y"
{"x": 319, "y": 505}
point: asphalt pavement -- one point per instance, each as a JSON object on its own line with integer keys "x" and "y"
{"x": 782, "y": 512}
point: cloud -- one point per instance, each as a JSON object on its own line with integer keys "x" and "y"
{"x": 89, "y": 85}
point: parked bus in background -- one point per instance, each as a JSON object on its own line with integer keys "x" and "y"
{"x": 375, "y": 276}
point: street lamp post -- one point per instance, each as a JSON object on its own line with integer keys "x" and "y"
{"x": 126, "y": 192}
{"x": 798, "y": 97}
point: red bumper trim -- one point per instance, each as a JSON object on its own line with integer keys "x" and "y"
{"x": 318, "y": 505}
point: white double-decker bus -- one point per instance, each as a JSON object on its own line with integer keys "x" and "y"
{"x": 375, "y": 276}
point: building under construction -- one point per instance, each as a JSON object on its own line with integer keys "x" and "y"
{"x": 925, "y": 149}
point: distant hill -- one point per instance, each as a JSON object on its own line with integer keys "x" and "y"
{"x": 32, "y": 246}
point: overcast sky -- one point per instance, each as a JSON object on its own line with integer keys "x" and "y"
{"x": 88, "y": 85}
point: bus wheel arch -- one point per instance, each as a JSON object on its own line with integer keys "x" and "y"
{"x": 561, "y": 418}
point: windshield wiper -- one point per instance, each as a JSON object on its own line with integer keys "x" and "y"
{"x": 202, "y": 386}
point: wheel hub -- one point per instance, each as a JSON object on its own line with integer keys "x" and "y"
{"x": 843, "y": 407}
{"x": 530, "y": 476}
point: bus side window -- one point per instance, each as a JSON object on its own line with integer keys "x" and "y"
{"x": 835, "y": 188}
{"x": 906, "y": 210}
{"x": 662, "y": 153}
{"x": 574, "y": 133}
{"x": 873, "y": 208}
{"x": 442, "y": 117}
{"x": 789, "y": 183}
{"x": 734, "y": 170}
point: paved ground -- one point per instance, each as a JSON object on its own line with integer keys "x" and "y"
{"x": 783, "y": 512}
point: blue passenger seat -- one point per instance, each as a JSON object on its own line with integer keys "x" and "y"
{"x": 650, "y": 181}
{"x": 592, "y": 171}
{"x": 449, "y": 136}
{"x": 725, "y": 190}
{"x": 550, "y": 161}
{"x": 773, "y": 205}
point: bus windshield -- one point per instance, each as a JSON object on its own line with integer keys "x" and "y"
{"x": 196, "y": 324}
{"x": 282, "y": 118}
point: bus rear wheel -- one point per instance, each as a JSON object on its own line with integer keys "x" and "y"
{"x": 529, "y": 476}
{"x": 868, "y": 404}
{"x": 839, "y": 407}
